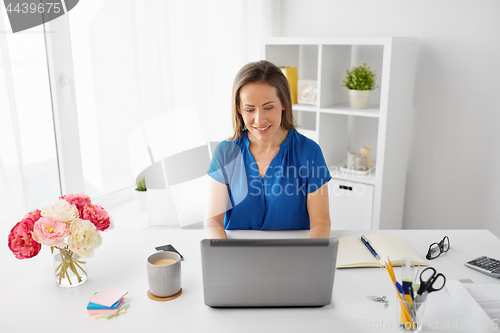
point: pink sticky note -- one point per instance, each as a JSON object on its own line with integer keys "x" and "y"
{"x": 107, "y": 296}
{"x": 106, "y": 311}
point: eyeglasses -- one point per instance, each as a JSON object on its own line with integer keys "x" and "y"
{"x": 436, "y": 249}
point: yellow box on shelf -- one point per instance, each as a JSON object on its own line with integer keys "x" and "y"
{"x": 292, "y": 77}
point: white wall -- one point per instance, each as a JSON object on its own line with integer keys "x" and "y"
{"x": 453, "y": 178}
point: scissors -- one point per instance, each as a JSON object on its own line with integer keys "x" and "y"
{"x": 429, "y": 285}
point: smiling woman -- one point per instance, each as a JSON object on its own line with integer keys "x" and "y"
{"x": 247, "y": 191}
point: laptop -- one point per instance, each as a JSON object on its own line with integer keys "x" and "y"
{"x": 268, "y": 272}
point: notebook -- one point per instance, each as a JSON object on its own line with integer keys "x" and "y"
{"x": 353, "y": 253}
{"x": 268, "y": 272}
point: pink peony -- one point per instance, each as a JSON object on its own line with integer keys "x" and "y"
{"x": 21, "y": 242}
{"x": 50, "y": 232}
{"x": 98, "y": 216}
{"x": 33, "y": 216}
{"x": 80, "y": 200}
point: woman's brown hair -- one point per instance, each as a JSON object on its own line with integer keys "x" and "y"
{"x": 262, "y": 71}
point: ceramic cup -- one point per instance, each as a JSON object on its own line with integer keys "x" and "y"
{"x": 351, "y": 156}
{"x": 360, "y": 163}
{"x": 164, "y": 280}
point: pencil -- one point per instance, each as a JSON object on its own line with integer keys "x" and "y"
{"x": 390, "y": 270}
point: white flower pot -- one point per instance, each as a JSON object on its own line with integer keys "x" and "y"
{"x": 141, "y": 199}
{"x": 358, "y": 99}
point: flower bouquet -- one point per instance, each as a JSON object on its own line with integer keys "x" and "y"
{"x": 71, "y": 225}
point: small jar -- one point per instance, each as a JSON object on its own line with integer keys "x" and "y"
{"x": 351, "y": 156}
{"x": 360, "y": 163}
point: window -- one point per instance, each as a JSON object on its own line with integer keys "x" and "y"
{"x": 116, "y": 64}
{"x": 31, "y": 103}
{"x": 102, "y": 45}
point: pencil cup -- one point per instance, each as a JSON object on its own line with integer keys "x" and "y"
{"x": 410, "y": 315}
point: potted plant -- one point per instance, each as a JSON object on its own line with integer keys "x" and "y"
{"x": 140, "y": 194}
{"x": 360, "y": 81}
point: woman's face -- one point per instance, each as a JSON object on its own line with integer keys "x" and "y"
{"x": 261, "y": 110}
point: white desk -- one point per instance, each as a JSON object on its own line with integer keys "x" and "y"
{"x": 31, "y": 301}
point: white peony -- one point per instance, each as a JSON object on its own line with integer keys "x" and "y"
{"x": 60, "y": 210}
{"x": 84, "y": 238}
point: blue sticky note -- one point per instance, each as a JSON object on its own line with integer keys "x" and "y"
{"x": 95, "y": 306}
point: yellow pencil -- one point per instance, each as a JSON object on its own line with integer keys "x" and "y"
{"x": 406, "y": 311}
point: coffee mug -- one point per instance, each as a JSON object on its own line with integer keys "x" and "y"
{"x": 164, "y": 273}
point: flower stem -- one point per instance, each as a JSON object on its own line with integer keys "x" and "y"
{"x": 81, "y": 268}
{"x": 69, "y": 261}
{"x": 73, "y": 268}
{"x": 65, "y": 262}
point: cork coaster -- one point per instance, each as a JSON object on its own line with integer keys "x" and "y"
{"x": 164, "y": 299}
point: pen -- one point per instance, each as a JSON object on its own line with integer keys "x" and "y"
{"x": 407, "y": 310}
{"x": 365, "y": 241}
{"x": 408, "y": 299}
{"x": 412, "y": 294}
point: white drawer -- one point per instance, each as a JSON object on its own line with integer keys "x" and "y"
{"x": 351, "y": 205}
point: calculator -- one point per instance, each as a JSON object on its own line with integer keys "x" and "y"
{"x": 487, "y": 265}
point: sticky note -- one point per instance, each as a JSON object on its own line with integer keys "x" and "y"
{"x": 123, "y": 309}
{"x": 107, "y": 296}
{"x": 94, "y": 306}
{"x": 105, "y": 311}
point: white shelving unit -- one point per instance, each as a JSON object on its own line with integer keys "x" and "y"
{"x": 374, "y": 201}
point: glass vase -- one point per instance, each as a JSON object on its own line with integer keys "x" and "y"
{"x": 70, "y": 270}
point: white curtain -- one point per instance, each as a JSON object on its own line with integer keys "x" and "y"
{"x": 188, "y": 52}
{"x": 135, "y": 60}
{"x": 12, "y": 197}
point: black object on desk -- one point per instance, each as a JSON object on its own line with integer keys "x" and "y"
{"x": 170, "y": 248}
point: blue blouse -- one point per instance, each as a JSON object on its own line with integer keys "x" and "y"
{"x": 278, "y": 200}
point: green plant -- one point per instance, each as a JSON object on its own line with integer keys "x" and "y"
{"x": 141, "y": 185}
{"x": 360, "y": 78}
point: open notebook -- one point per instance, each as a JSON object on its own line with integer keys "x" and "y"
{"x": 353, "y": 253}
